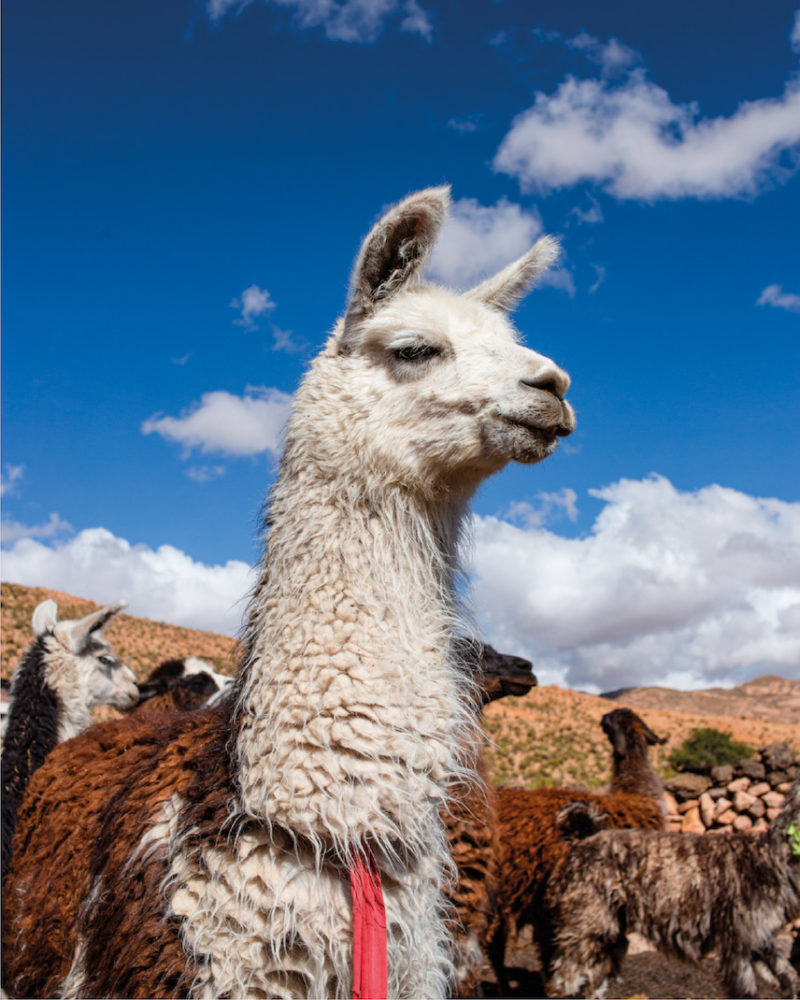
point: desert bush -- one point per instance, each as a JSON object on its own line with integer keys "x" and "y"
{"x": 706, "y": 748}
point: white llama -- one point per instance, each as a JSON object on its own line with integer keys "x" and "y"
{"x": 350, "y": 706}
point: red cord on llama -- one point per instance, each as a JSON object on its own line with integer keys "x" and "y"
{"x": 370, "y": 966}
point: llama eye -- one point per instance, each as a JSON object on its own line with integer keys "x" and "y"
{"x": 417, "y": 352}
{"x": 106, "y": 661}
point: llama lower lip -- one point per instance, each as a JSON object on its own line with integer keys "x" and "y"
{"x": 548, "y": 433}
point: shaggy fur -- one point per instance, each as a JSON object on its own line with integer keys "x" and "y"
{"x": 471, "y": 822}
{"x": 533, "y": 841}
{"x": 630, "y": 736}
{"x": 350, "y": 718}
{"x": 67, "y": 668}
{"x": 687, "y": 894}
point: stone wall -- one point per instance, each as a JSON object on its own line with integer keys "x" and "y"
{"x": 743, "y": 796}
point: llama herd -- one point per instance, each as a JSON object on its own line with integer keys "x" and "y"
{"x": 204, "y": 846}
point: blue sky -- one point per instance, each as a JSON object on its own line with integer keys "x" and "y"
{"x": 185, "y": 186}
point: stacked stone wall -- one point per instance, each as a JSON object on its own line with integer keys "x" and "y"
{"x": 743, "y": 796}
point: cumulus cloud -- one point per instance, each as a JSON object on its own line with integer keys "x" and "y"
{"x": 163, "y": 583}
{"x": 11, "y": 476}
{"x": 12, "y": 530}
{"x": 227, "y": 424}
{"x": 630, "y": 138}
{"x": 477, "y": 240}
{"x": 359, "y": 21}
{"x": 252, "y": 303}
{"x": 773, "y": 295}
{"x": 687, "y": 589}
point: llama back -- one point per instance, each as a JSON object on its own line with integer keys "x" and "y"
{"x": 92, "y": 926}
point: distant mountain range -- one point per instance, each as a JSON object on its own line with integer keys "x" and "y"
{"x": 771, "y": 698}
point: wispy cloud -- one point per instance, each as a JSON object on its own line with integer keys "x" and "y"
{"x": 627, "y": 136}
{"x": 547, "y": 508}
{"x": 227, "y": 424}
{"x": 253, "y": 303}
{"x": 613, "y": 57}
{"x": 464, "y": 125}
{"x": 600, "y": 271}
{"x": 162, "y": 583}
{"x": 694, "y": 589}
{"x": 773, "y": 295}
{"x": 794, "y": 37}
{"x": 205, "y": 473}
{"x": 10, "y": 477}
{"x": 355, "y": 21}
{"x": 12, "y": 530}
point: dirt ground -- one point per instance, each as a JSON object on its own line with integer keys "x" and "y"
{"x": 645, "y": 975}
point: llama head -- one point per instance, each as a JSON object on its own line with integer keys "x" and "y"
{"x": 497, "y": 674}
{"x": 624, "y": 729}
{"x": 81, "y": 666}
{"x": 425, "y": 387}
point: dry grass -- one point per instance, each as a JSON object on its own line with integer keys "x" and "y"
{"x": 139, "y": 642}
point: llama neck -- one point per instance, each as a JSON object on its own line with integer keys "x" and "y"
{"x": 350, "y": 708}
{"x": 32, "y": 731}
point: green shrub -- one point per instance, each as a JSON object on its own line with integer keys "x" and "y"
{"x": 706, "y": 748}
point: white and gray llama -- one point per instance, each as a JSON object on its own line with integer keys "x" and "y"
{"x": 213, "y": 857}
{"x": 67, "y": 669}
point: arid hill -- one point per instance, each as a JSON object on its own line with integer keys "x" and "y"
{"x": 139, "y": 642}
{"x": 771, "y": 698}
{"x": 549, "y": 736}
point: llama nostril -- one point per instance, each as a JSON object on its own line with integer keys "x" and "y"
{"x": 547, "y": 383}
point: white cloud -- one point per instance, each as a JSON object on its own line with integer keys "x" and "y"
{"x": 612, "y": 56}
{"x": 477, "y": 240}
{"x": 12, "y": 530}
{"x": 359, "y": 21}
{"x": 699, "y": 588}
{"x": 773, "y": 295}
{"x": 794, "y": 37}
{"x": 227, "y": 424}
{"x": 11, "y": 476}
{"x": 254, "y": 302}
{"x": 164, "y": 583}
{"x": 632, "y": 140}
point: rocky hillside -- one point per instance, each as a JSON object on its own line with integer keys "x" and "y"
{"x": 549, "y": 736}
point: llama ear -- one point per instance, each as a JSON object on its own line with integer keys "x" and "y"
{"x": 651, "y": 737}
{"x": 44, "y": 618}
{"x": 504, "y": 289}
{"x": 95, "y": 622}
{"x": 394, "y": 251}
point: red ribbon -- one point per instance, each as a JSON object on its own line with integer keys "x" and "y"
{"x": 370, "y": 964}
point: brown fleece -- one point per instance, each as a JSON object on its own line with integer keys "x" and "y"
{"x": 85, "y": 811}
{"x": 472, "y": 835}
{"x": 533, "y": 843}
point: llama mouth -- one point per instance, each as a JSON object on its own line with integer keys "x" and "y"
{"x": 548, "y": 434}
